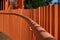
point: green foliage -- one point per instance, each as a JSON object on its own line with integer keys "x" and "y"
{"x": 29, "y": 4}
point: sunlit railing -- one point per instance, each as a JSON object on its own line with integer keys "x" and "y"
{"x": 40, "y": 32}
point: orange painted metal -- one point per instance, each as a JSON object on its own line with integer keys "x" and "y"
{"x": 39, "y": 32}
{"x": 48, "y": 17}
{"x": 58, "y": 21}
{"x": 20, "y": 4}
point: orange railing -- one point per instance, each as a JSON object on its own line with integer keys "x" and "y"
{"x": 36, "y": 28}
{"x": 47, "y": 17}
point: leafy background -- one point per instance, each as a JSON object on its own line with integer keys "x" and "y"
{"x": 30, "y": 4}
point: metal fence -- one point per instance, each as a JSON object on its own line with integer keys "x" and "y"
{"x": 18, "y": 29}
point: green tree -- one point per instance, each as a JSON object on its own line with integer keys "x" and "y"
{"x": 29, "y": 4}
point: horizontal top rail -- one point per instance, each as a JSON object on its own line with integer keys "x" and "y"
{"x": 40, "y": 32}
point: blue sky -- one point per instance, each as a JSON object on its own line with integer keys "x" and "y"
{"x": 54, "y": 1}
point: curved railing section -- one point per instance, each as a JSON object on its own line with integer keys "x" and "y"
{"x": 40, "y": 32}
